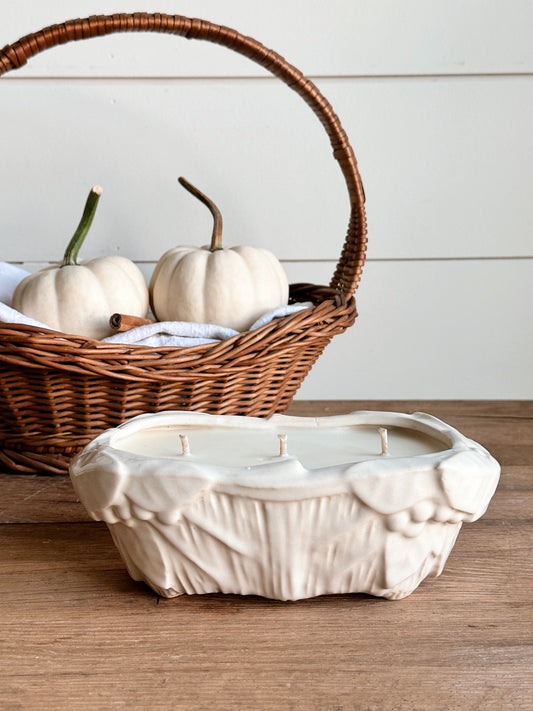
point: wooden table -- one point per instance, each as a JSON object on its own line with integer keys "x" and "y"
{"x": 78, "y": 633}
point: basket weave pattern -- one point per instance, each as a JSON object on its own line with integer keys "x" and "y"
{"x": 57, "y": 392}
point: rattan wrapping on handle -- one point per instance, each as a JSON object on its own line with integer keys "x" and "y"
{"x": 57, "y": 391}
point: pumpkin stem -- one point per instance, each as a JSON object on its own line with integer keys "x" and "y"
{"x": 216, "y": 236}
{"x": 73, "y": 247}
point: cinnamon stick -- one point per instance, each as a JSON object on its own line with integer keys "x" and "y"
{"x": 124, "y": 322}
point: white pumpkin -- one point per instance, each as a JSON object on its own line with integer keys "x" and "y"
{"x": 80, "y": 298}
{"x": 229, "y": 287}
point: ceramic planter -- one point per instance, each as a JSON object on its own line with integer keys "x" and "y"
{"x": 277, "y": 525}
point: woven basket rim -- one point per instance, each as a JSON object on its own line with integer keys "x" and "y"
{"x": 34, "y": 347}
{"x": 99, "y": 345}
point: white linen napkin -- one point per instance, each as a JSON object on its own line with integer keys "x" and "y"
{"x": 162, "y": 333}
{"x": 10, "y": 275}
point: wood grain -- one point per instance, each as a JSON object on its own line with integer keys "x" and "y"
{"x": 78, "y": 633}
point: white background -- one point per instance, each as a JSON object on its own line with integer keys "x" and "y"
{"x": 437, "y": 100}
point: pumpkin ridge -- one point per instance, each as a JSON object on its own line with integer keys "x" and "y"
{"x": 280, "y": 275}
{"x": 103, "y": 292}
{"x": 210, "y": 268}
{"x": 256, "y": 285}
{"x": 162, "y": 268}
{"x": 266, "y": 272}
{"x": 193, "y": 263}
{"x": 87, "y": 283}
{"x": 124, "y": 265}
{"x": 273, "y": 275}
{"x": 117, "y": 290}
{"x": 54, "y": 300}
{"x": 241, "y": 287}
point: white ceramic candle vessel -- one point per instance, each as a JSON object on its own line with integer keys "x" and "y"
{"x": 287, "y": 507}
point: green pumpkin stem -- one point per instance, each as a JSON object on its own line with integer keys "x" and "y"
{"x": 216, "y": 236}
{"x": 71, "y": 252}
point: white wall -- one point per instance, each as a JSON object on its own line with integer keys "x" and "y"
{"x": 437, "y": 99}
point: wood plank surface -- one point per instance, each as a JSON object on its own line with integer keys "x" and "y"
{"x": 76, "y": 632}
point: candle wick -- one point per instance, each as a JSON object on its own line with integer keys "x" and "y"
{"x": 185, "y": 444}
{"x": 282, "y": 445}
{"x": 384, "y": 441}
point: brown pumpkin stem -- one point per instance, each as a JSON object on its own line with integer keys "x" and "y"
{"x": 216, "y": 236}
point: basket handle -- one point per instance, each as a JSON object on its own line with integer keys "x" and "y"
{"x": 348, "y": 270}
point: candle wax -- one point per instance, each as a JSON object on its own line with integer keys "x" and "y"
{"x": 314, "y": 447}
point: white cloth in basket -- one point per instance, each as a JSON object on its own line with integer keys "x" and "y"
{"x": 164, "y": 333}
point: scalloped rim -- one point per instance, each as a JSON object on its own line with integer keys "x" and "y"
{"x": 284, "y": 477}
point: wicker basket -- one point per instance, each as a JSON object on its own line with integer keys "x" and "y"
{"x": 57, "y": 391}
